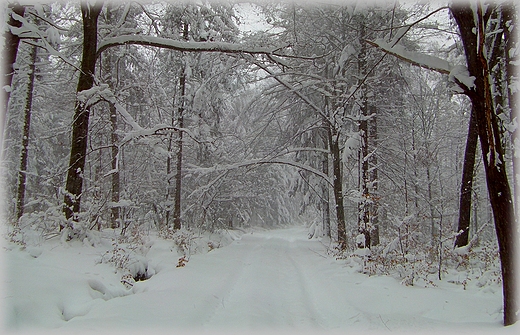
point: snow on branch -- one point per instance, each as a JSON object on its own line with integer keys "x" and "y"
{"x": 418, "y": 59}
{"x": 167, "y": 43}
{"x": 252, "y": 162}
{"x": 457, "y": 74}
{"x": 102, "y": 92}
{"x": 299, "y": 149}
{"x": 46, "y": 40}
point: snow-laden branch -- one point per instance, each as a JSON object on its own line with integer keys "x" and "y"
{"x": 292, "y": 89}
{"x": 42, "y": 39}
{"x": 426, "y": 61}
{"x": 102, "y": 92}
{"x": 252, "y": 162}
{"x": 298, "y": 149}
{"x": 457, "y": 74}
{"x": 167, "y": 43}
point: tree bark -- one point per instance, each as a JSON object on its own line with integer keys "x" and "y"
{"x": 169, "y": 171}
{"x": 373, "y": 175}
{"x": 466, "y": 185}
{"x": 11, "y": 43}
{"x": 178, "y": 175}
{"x": 492, "y": 152}
{"x": 110, "y": 70}
{"x": 325, "y": 195}
{"x": 24, "y": 155}
{"x": 338, "y": 188}
{"x": 363, "y": 206}
{"x": 115, "y": 180}
{"x": 177, "y": 224}
{"x": 510, "y": 21}
{"x": 74, "y": 184}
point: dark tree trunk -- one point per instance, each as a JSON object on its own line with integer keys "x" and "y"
{"x": 10, "y": 51}
{"x": 492, "y": 152}
{"x": 168, "y": 174}
{"x": 114, "y": 212}
{"x": 363, "y": 216}
{"x": 510, "y": 31}
{"x": 374, "y": 206}
{"x": 466, "y": 185}
{"x": 338, "y": 188}
{"x": 24, "y": 155}
{"x": 363, "y": 206}
{"x": 110, "y": 71}
{"x": 325, "y": 169}
{"x": 178, "y": 174}
{"x": 325, "y": 196}
{"x": 180, "y": 123}
{"x": 74, "y": 184}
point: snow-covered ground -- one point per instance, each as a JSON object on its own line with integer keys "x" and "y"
{"x": 275, "y": 280}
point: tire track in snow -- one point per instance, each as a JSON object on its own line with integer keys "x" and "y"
{"x": 309, "y": 303}
{"x": 271, "y": 292}
{"x": 230, "y": 282}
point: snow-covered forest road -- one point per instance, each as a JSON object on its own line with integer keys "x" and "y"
{"x": 267, "y": 280}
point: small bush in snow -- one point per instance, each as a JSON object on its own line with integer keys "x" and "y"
{"x": 128, "y": 281}
{"x": 125, "y": 259}
{"x": 182, "y": 261}
{"x": 182, "y": 239}
{"x": 117, "y": 256}
{"x": 137, "y": 240}
{"x": 212, "y": 245}
{"x": 17, "y": 236}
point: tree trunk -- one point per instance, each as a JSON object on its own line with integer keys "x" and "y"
{"x": 325, "y": 191}
{"x": 114, "y": 211}
{"x": 363, "y": 216}
{"x": 509, "y": 20}
{"x": 10, "y": 51}
{"x": 374, "y": 206}
{"x": 363, "y": 206}
{"x": 22, "y": 177}
{"x": 180, "y": 124}
{"x": 178, "y": 174}
{"x": 429, "y": 182}
{"x": 338, "y": 188}
{"x": 466, "y": 186}
{"x": 110, "y": 69}
{"x": 492, "y": 152}
{"x": 74, "y": 184}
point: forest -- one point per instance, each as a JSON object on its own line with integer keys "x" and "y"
{"x": 387, "y": 130}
